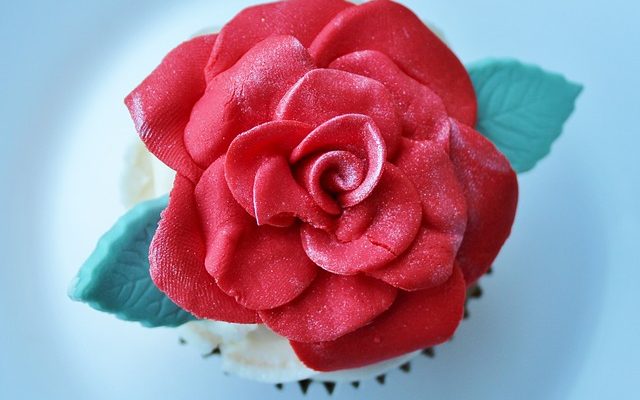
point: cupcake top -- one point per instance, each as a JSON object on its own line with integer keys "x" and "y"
{"x": 331, "y": 183}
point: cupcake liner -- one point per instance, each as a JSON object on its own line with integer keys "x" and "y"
{"x": 475, "y": 292}
{"x": 330, "y": 386}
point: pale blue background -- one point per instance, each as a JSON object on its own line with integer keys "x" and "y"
{"x": 561, "y": 316}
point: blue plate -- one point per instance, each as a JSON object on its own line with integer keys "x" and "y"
{"x": 559, "y": 318}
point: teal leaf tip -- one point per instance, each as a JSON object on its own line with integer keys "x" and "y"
{"x": 521, "y": 108}
{"x": 115, "y": 278}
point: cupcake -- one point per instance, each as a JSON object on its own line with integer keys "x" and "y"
{"x": 338, "y": 183}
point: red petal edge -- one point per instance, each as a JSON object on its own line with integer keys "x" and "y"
{"x": 331, "y": 307}
{"x": 260, "y": 179}
{"x": 177, "y": 257}
{"x": 394, "y": 30}
{"x": 415, "y": 321}
{"x": 262, "y": 267}
{"x": 244, "y": 96}
{"x": 491, "y": 189}
{"x": 429, "y": 260}
{"x": 161, "y": 105}
{"x": 323, "y": 94}
{"x": 372, "y": 233}
{"x": 302, "y": 19}
{"x": 423, "y": 114}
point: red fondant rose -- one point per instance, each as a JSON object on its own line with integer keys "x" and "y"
{"x": 329, "y": 182}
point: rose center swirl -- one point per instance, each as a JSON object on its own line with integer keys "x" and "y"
{"x": 328, "y": 175}
{"x": 341, "y": 161}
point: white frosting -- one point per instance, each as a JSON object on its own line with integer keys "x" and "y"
{"x": 257, "y": 353}
{"x": 250, "y": 351}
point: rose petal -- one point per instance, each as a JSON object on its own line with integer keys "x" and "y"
{"x": 261, "y": 267}
{"x": 325, "y": 93}
{"x": 253, "y": 147}
{"x": 426, "y": 264}
{"x": 302, "y": 19}
{"x": 268, "y": 196}
{"x": 384, "y": 225}
{"x": 491, "y": 189}
{"x": 277, "y": 197}
{"x": 423, "y": 114}
{"x": 357, "y": 134}
{"x": 161, "y": 105}
{"x": 244, "y": 96}
{"x": 415, "y": 321}
{"x": 177, "y": 262}
{"x": 429, "y": 167}
{"x": 331, "y": 307}
{"x": 268, "y": 269}
{"x": 394, "y": 30}
{"x": 429, "y": 261}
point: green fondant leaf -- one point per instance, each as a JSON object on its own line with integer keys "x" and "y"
{"x": 521, "y": 108}
{"x": 116, "y": 277}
